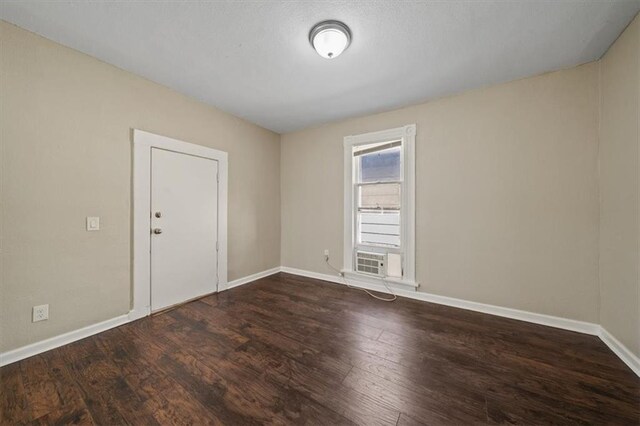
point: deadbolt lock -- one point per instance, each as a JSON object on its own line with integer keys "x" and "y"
{"x": 158, "y": 214}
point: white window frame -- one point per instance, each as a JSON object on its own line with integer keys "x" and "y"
{"x": 407, "y": 135}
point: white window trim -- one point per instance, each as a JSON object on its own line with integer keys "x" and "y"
{"x": 407, "y": 134}
{"x": 142, "y": 144}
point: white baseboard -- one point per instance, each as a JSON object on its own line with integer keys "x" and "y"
{"x": 309, "y": 274}
{"x": 564, "y": 323}
{"x": 66, "y": 338}
{"x": 628, "y": 357}
{"x": 548, "y": 320}
{"x": 135, "y": 314}
{"x": 250, "y": 278}
{"x": 517, "y": 314}
{"x": 60, "y": 340}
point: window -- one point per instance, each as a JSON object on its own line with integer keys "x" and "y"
{"x": 378, "y": 190}
{"x": 379, "y": 200}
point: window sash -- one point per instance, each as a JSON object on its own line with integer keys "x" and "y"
{"x": 378, "y": 148}
{"x": 357, "y": 175}
{"x": 378, "y": 234}
{"x": 375, "y": 228}
{"x": 379, "y": 182}
{"x": 383, "y": 196}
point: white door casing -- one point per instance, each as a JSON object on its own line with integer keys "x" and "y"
{"x": 143, "y": 142}
{"x": 184, "y": 222}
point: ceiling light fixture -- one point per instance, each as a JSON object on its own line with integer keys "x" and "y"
{"x": 330, "y": 38}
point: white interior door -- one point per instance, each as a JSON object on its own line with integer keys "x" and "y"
{"x": 184, "y": 222}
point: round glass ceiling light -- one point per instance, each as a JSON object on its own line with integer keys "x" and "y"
{"x": 330, "y": 38}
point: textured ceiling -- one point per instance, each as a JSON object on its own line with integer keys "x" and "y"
{"x": 253, "y": 58}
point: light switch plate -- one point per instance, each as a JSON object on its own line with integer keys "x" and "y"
{"x": 93, "y": 223}
{"x": 40, "y": 313}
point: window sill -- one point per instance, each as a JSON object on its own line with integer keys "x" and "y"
{"x": 396, "y": 283}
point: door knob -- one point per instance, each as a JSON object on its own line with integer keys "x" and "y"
{"x": 158, "y": 214}
{"x": 157, "y": 231}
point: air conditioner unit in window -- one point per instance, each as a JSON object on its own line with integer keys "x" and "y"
{"x": 370, "y": 263}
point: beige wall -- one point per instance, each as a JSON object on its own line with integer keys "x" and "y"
{"x": 507, "y": 196}
{"x": 619, "y": 184}
{"x": 66, "y": 154}
{"x": 507, "y": 193}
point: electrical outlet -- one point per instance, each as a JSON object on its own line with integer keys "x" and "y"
{"x": 326, "y": 252}
{"x": 40, "y": 313}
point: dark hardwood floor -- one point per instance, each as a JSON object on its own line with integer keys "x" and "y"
{"x": 291, "y": 350}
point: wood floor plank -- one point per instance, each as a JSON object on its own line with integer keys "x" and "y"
{"x": 410, "y": 315}
{"x": 432, "y": 406}
{"x": 405, "y": 420}
{"x": 73, "y": 407}
{"x": 267, "y": 402}
{"x": 101, "y": 385}
{"x": 66, "y": 416}
{"x": 40, "y": 389}
{"x": 294, "y": 350}
{"x": 170, "y": 402}
{"x": 301, "y": 309}
{"x": 14, "y": 408}
{"x": 331, "y": 367}
{"x": 568, "y": 387}
{"x": 240, "y": 395}
{"x": 351, "y": 404}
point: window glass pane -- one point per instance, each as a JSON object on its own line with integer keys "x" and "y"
{"x": 379, "y": 196}
{"x": 379, "y": 228}
{"x": 380, "y": 166}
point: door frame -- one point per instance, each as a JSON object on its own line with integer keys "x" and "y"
{"x": 141, "y": 234}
